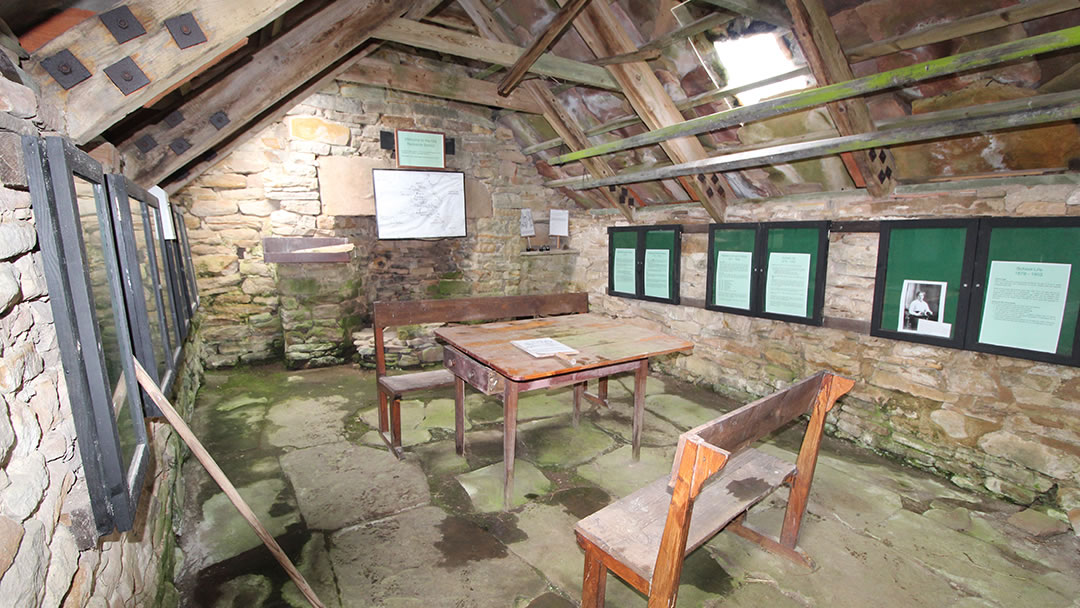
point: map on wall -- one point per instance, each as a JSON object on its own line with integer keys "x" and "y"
{"x": 419, "y": 204}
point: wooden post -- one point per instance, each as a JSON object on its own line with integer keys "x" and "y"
{"x": 510, "y": 403}
{"x": 459, "y": 415}
{"x": 640, "y": 377}
{"x": 222, "y": 480}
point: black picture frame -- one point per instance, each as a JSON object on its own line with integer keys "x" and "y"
{"x": 642, "y": 235}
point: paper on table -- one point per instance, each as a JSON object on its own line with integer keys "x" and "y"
{"x": 656, "y": 273}
{"x": 1025, "y": 305}
{"x": 543, "y": 347}
{"x": 623, "y": 271}
{"x": 786, "y": 283}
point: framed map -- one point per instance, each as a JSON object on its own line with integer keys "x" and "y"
{"x": 419, "y": 204}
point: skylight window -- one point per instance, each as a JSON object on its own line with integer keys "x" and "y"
{"x": 754, "y": 58}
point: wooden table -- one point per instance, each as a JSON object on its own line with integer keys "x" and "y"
{"x": 483, "y": 357}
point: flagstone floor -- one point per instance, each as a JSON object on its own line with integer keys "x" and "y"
{"x": 368, "y": 530}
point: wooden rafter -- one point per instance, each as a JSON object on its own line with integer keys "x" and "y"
{"x": 1055, "y": 107}
{"x": 93, "y": 105}
{"x": 817, "y": 37}
{"x": 981, "y": 58}
{"x": 541, "y": 44}
{"x": 442, "y": 40}
{"x": 273, "y": 72}
{"x": 762, "y": 10}
{"x": 557, "y": 117}
{"x": 602, "y": 32}
{"x": 443, "y": 85}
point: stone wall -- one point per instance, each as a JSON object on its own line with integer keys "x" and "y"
{"x": 43, "y": 496}
{"x": 1008, "y": 426}
{"x": 278, "y": 184}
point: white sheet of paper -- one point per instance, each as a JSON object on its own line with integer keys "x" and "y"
{"x": 560, "y": 222}
{"x": 657, "y": 271}
{"x": 1025, "y": 305}
{"x": 927, "y": 327}
{"x": 786, "y": 283}
{"x": 733, "y": 272}
{"x": 527, "y": 226}
{"x": 542, "y": 347}
{"x": 624, "y": 279}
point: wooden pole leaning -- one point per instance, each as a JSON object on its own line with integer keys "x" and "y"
{"x": 222, "y": 480}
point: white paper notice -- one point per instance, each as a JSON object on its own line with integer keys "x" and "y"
{"x": 526, "y": 223}
{"x": 1025, "y": 304}
{"x": 733, "y": 272}
{"x": 543, "y": 347}
{"x": 786, "y": 284}
{"x": 934, "y": 328}
{"x": 560, "y": 222}
{"x": 657, "y": 273}
{"x": 624, "y": 271}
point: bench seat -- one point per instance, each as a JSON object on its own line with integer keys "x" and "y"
{"x": 417, "y": 381}
{"x": 630, "y": 529}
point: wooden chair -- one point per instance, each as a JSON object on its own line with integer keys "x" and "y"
{"x": 393, "y": 314}
{"x": 632, "y": 538}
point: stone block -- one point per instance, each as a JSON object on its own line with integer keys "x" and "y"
{"x": 213, "y": 207}
{"x": 345, "y": 184}
{"x": 12, "y": 167}
{"x": 216, "y": 264}
{"x": 303, "y": 206}
{"x": 16, "y": 238}
{"x": 256, "y": 208}
{"x": 10, "y": 289}
{"x": 17, "y": 100}
{"x": 223, "y": 180}
{"x": 1038, "y": 524}
{"x": 313, "y": 128}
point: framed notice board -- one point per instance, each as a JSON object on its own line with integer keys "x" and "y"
{"x": 1025, "y": 300}
{"x": 643, "y": 262}
{"x": 773, "y": 270}
{"x": 923, "y": 281}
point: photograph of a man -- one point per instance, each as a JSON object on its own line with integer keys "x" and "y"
{"x": 921, "y": 300}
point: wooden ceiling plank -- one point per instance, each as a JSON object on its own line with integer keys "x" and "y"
{"x": 602, "y": 32}
{"x": 981, "y": 58}
{"x": 540, "y": 45}
{"x": 92, "y": 106}
{"x": 817, "y": 37}
{"x": 273, "y": 72}
{"x": 442, "y": 40}
{"x": 444, "y": 85}
{"x": 757, "y": 9}
{"x": 975, "y": 24}
{"x": 1012, "y": 114}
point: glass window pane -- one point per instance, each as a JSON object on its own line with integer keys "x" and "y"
{"x": 138, "y": 222}
{"x": 162, "y": 279}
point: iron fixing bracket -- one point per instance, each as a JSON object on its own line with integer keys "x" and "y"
{"x": 174, "y": 118}
{"x": 65, "y": 68}
{"x": 146, "y": 143}
{"x": 185, "y": 30}
{"x": 219, "y": 120}
{"x": 122, "y": 24}
{"x": 179, "y": 145}
{"x": 127, "y": 76}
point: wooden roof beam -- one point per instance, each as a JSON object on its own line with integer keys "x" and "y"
{"x": 817, "y": 37}
{"x": 1031, "y": 111}
{"x": 273, "y": 72}
{"x": 762, "y": 10}
{"x": 981, "y": 58}
{"x": 93, "y": 105}
{"x": 442, "y": 40}
{"x": 541, "y": 44}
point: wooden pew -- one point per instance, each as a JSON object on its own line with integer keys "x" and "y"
{"x": 393, "y": 314}
{"x": 633, "y": 538}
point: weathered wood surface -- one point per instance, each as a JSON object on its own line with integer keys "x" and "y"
{"x": 447, "y": 41}
{"x": 273, "y": 72}
{"x": 478, "y": 376}
{"x": 92, "y": 106}
{"x": 444, "y": 85}
{"x": 1002, "y": 53}
{"x": 403, "y": 384}
{"x": 758, "y": 9}
{"x": 599, "y": 340}
{"x": 1055, "y": 107}
{"x": 411, "y": 312}
{"x": 630, "y": 529}
{"x": 541, "y": 44}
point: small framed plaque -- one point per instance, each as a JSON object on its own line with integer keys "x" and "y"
{"x": 420, "y": 149}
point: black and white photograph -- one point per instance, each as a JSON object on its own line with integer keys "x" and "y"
{"x": 921, "y": 301}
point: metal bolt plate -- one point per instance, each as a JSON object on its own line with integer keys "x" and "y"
{"x": 65, "y": 68}
{"x": 219, "y": 120}
{"x": 185, "y": 30}
{"x": 127, "y": 76}
{"x": 179, "y": 145}
{"x": 122, "y": 24}
{"x": 146, "y": 143}
{"x": 174, "y": 118}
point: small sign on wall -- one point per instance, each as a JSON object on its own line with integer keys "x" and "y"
{"x": 421, "y": 149}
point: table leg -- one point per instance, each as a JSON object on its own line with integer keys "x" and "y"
{"x": 601, "y": 389}
{"x": 579, "y": 393}
{"x": 640, "y": 374}
{"x": 459, "y": 415}
{"x": 510, "y": 403}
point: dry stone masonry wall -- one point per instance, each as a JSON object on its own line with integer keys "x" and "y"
{"x": 293, "y": 180}
{"x": 1004, "y": 425}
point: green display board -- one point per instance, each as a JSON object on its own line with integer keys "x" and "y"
{"x": 654, "y": 252}
{"x": 931, "y": 258}
{"x": 1027, "y": 297}
{"x": 774, "y": 270}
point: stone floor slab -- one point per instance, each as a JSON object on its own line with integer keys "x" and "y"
{"x": 221, "y": 532}
{"x": 485, "y": 485}
{"x": 306, "y": 422}
{"x": 555, "y": 442}
{"x": 618, "y": 474}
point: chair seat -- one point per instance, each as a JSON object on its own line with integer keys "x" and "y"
{"x": 630, "y": 529}
{"x": 409, "y": 383}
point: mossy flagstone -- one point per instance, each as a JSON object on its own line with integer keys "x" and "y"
{"x": 306, "y": 422}
{"x": 682, "y": 412}
{"x": 314, "y": 564}
{"x": 545, "y": 404}
{"x": 485, "y": 485}
{"x": 441, "y": 458}
{"x": 439, "y": 414}
{"x": 222, "y": 533}
{"x": 412, "y": 431}
{"x": 618, "y": 420}
{"x": 617, "y": 473}
{"x": 247, "y": 590}
{"x": 554, "y": 442}
{"x": 240, "y": 401}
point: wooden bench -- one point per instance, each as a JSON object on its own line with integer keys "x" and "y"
{"x": 394, "y": 314}
{"x": 644, "y": 537}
